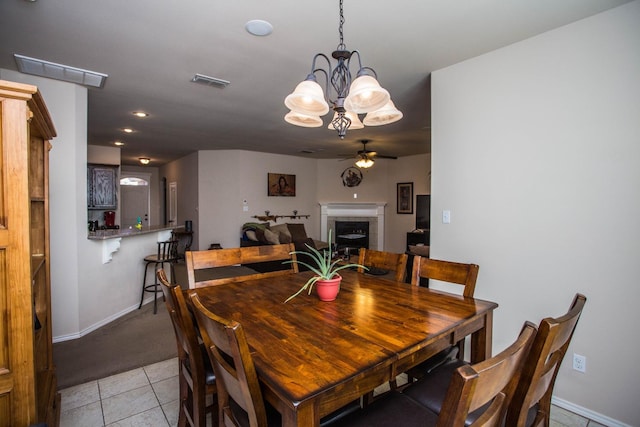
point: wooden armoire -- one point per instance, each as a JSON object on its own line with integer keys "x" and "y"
{"x": 28, "y": 392}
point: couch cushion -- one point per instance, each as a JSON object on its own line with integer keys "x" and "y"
{"x": 271, "y": 237}
{"x": 283, "y": 233}
{"x": 298, "y": 233}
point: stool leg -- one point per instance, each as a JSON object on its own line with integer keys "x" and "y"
{"x": 144, "y": 284}
{"x": 155, "y": 288}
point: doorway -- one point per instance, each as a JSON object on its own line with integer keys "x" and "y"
{"x": 135, "y": 194}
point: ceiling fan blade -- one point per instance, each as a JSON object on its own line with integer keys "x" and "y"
{"x": 380, "y": 156}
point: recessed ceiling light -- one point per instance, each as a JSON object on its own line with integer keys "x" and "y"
{"x": 258, "y": 27}
{"x": 118, "y": 143}
{"x": 140, "y": 114}
{"x": 127, "y": 130}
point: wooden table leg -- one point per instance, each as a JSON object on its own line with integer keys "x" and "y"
{"x": 482, "y": 339}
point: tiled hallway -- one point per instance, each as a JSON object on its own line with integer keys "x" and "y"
{"x": 149, "y": 397}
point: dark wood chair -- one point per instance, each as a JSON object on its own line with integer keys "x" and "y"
{"x": 385, "y": 261}
{"x": 165, "y": 254}
{"x": 240, "y": 399}
{"x": 203, "y": 260}
{"x": 473, "y": 394}
{"x": 196, "y": 376}
{"x": 532, "y": 400}
{"x": 457, "y": 273}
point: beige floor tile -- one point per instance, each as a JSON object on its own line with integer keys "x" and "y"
{"x": 162, "y": 370}
{"x": 80, "y": 395}
{"x": 120, "y": 383}
{"x": 170, "y": 410}
{"x": 567, "y": 419}
{"x": 151, "y": 418}
{"x": 84, "y": 416}
{"x": 129, "y": 403}
{"x": 167, "y": 390}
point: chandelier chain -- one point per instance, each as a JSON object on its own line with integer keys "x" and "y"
{"x": 341, "y": 46}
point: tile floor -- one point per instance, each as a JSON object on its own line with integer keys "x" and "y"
{"x": 148, "y": 396}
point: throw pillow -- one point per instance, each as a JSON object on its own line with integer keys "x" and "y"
{"x": 271, "y": 237}
{"x": 298, "y": 233}
{"x": 284, "y": 237}
{"x": 251, "y": 235}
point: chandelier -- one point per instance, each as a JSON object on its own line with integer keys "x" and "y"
{"x": 347, "y": 98}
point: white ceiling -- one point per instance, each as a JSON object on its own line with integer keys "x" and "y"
{"x": 152, "y": 49}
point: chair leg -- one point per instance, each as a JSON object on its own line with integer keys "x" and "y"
{"x": 144, "y": 284}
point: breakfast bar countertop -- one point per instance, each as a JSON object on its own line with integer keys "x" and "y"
{"x": 128, "y": 232}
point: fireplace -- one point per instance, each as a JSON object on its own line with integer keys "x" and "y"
{"x": 372, "y": 213}
{"x": 352, "y": 234}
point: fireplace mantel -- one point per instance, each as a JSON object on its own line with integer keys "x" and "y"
{"x": 369, "y": 210}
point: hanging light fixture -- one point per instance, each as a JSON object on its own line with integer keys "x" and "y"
{"x": 347, "y": 97}
{"x": 364, "y": 161}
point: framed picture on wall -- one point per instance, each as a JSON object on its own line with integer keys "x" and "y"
{"x": 280, "y": 184}
{"x": 405, "y": 198}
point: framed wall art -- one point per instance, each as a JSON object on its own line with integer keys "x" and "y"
{"x": 405, "y": 198}
{"x": 280, "y": 184}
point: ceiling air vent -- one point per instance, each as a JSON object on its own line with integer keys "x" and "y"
{"x": 210, "y": 81}
{"x": 40, "y": 67}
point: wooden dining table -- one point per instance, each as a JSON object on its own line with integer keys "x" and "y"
{"x": 313, "y": 357}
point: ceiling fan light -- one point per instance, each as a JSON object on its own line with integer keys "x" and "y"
{"x": 308, "y": 99}
{"x": 366, "y": 95}
{"x": 364, "y": 162}
{"x": 355, "y": 121}
{"x": 304, "y": 120}
{"x": 384, "y": 116}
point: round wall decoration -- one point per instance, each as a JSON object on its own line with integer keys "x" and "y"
{"x": 351, "y": 177}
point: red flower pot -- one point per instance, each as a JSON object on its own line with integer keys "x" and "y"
{"x": 328, "y": 289}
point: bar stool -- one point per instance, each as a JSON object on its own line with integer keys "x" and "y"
{"x": 167, "y": 253}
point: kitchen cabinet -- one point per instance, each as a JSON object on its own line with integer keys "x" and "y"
{"x": 28, "y": 382}
{"x": 102, "y": 186}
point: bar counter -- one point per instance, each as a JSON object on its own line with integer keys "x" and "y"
{"x": 129, "y": 232}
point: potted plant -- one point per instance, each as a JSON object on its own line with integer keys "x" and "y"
{"x": 326, "y": 270}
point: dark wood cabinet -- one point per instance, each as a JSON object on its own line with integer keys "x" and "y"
{"x": 414, "y": 239}
{"x": 102, "y": 186}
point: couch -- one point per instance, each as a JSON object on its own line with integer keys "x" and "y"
{"x": 256, "y": 234}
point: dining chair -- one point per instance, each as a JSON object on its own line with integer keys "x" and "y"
{"x": 197, "y": 381}
{"x": 240, "y": 399}
{"x": 206, "y": 260}
{"x": 456, "y": 273}
{"x": 532, "y": 399}
{"x": 384, "y": 261}
{"x": 472, "y": 395}
{"x": 166, "y": 253}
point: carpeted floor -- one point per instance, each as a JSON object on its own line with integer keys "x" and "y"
{"x": 136, "y": 339}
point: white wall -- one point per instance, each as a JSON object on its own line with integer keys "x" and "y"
{"x": 228, "y": 177}
{"x": 536, "y": 152}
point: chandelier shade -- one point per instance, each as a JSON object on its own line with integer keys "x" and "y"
{"x": 308, "y": 99}
{"x": 386, "y": 115}
{"x": 347, "y": 97}
{"x": 303, "y": 120}
{"x": 366, "y": 95}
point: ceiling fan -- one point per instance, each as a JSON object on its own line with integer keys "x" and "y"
{"x": 366, "y": 158}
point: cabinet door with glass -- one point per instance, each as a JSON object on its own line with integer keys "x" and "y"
{"x": 102, "y": 186}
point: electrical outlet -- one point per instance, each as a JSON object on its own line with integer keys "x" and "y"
{"x": 579, "y": 363}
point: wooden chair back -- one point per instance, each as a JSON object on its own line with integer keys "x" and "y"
{"x": 232, "y": 362}
{"x": 384, "y": 260}
{"x": 199, "y": 260}
{"x": 532, "y": 400}
{"x": 446, "y": 271}
{"x": 491, "y": 382}
{"x": 192, "y": 371}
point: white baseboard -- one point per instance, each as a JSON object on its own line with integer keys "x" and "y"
{"x": 588, "y": 413}
{"x": 99, "y": 324}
